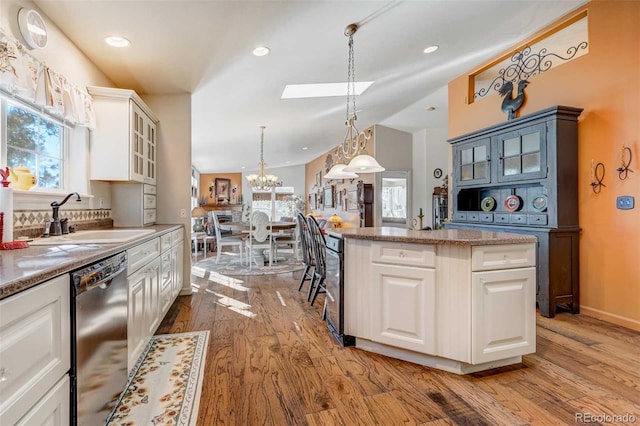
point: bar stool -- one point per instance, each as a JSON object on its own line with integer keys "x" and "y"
{"x": 319, "y": 272}
{"x": 307, "y": 254}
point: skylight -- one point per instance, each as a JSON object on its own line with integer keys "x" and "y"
{"x": 322, "y": 90}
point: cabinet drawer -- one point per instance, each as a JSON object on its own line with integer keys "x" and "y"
{"x": 177, "y": 236}
{"x": 501, "y": 218}
{"x": 149, "y": 189}
{"x": 149, "y": 216}
{"x": 537, "y": 219}
{"x": 486, "y": 258}
{"x": 35, "y": 342}
{"x": 149, "y": 201}
{"x": 473, "y": 217}
{"x": 460, "y": 216}
{"x": 165, "y": 242}
{"x": 404, "y": 254}
{"x": 520, "y": 219}
{"x": 486, "y": 217}
{"x": 53, "y": 409}
{"x": 143, "y": 253}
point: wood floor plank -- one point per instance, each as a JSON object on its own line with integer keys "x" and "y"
{"x": 271, "y": 360}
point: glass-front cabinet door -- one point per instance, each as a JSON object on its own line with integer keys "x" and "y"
{"x": 522, "y": 154}
{"x": 472, "y": 162}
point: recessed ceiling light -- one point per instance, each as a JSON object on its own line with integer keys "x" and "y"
{"x": 117, "y": 41}
{"x": 287, "y": 162}
{"x": 322, "y": 90}
{"x": 243, "y": 167}
{"x": 431, "y": 108}
{"x": 431, "y": 49}
{"x": 304, "y": 148}
{"x": 261, "y": 51}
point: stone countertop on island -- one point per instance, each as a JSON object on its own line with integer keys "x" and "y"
{"x": 24, "y": 268}
{"x": 466, "y": 237}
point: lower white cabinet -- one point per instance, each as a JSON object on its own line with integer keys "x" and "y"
{"x": 52, "y": 409}
{"x": 402, "y": 306}
{"x": 144, "y": 297}
{"x": 457, "y": 307}
{"x": 35, "y": 355}
{"x": 498, "y": 327}
{"x": 177, "y": 260}
{"x": 155, "y": 279}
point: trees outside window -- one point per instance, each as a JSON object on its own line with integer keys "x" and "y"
{"x": 37, "y": 144}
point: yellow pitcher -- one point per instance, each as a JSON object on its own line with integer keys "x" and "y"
{"x": 22, "y": 178}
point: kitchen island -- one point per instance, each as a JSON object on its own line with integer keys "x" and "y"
{"x": 457, "y": 300}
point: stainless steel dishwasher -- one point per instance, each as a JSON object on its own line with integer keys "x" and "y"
{"x": 99, "y": 344}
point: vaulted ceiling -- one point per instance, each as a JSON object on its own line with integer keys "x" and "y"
{"x": 205, "y": 48}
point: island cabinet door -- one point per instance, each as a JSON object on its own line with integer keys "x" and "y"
{"x": 503, "y": 307}
{"x": 402, "y": 307}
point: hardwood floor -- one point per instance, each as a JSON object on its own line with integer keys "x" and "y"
{"x": 272, "y": 361}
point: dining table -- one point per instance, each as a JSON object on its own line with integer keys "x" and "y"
{"x": 278, "y": 229}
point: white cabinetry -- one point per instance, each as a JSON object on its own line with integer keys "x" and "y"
{"x": 143, "y": 279}
{"x": 177, "y": 257}
{"x": 123, "y": 145}
{"x": 403, "y": 296}
{"x": 155, "y": 279}
{"x": 458, "y": 307}
{"x": 134, "y": 204}
{"x": 35, "y": 353}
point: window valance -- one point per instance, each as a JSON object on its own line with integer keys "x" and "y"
{"x": 27, "y": 78}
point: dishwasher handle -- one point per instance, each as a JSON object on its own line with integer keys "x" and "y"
{"x": 100, "y": 274}
{"x": 106, "y": 281}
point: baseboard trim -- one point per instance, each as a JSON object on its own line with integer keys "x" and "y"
{"x": 609, "y": 317}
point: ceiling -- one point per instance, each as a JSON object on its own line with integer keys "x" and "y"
{"x": 204, "y": 48}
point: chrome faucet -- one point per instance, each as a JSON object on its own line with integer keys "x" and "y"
{"x": 55, "y": 228}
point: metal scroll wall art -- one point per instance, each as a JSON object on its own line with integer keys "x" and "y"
{"x": 625, "y": 162}
{"x": 524, "y": 65}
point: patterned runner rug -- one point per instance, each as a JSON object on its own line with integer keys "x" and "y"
{"x": 166, "y": 382}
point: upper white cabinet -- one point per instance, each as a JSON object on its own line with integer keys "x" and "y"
{"x": 123, "y": 145}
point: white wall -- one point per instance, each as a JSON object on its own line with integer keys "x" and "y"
{"x": 430, "y": 151}
{"x": 174, "y": 167}
{"x": 289, "y": 176}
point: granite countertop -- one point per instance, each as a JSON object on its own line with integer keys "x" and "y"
{"x": 24, "y": 268}
{"x": 466, "y": 237}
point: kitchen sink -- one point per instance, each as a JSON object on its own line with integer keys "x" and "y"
{"x": 102, "y": 236}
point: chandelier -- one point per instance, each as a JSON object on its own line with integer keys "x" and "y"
{"x": 262, "y": 182}
{"x": 354, "y": 145}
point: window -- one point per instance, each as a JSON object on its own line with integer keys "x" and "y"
{"x": 36, "y": 142}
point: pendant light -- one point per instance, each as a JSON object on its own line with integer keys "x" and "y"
{"x": 262, "y": 182}
{"x": 354, "y": 143}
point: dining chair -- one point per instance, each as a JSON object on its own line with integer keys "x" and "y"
{"x": 260, "y": 236}
{"x": 226, "y": 240}
{"x": 308, "y": 259}
{"x": 320, "y": 271}
{"x": 288, "y": 240}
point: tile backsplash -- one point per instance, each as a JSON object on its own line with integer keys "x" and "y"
{"x": 29, "y": 222}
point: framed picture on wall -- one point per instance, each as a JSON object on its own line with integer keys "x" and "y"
{"x": 328, "y": 196}
{"x": 352, "y": 200}
{"x": 313, "y": 201}
{"x": 318, "y": 179}
{"x": 222, "y": 189}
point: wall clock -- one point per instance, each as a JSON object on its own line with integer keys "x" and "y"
{"x": 437, "y": 173}
{"x": 32, "y": 28}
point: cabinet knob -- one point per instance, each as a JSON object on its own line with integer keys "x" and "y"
{"x": 4, "y": 374}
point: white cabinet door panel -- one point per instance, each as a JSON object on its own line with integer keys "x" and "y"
{"x": 52, "y": 410}
{"x": 402, "y": 307}
{"x": 35, "y": 345}
{"x": 503, "y": 307}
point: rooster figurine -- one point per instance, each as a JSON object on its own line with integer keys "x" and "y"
{"x": 510, "y": 104}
